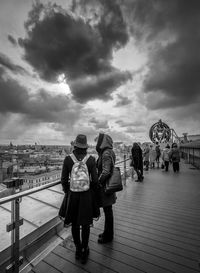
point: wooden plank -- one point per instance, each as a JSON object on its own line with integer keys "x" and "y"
{"x": 146, "y": 242}
{"x": 157, "y": 230}
{"x": 160, "y": 244}
{"x": 164, "y": 232}
{"x": 159, "y": 223}
{"x": 131, "y": 233}
{"x": 62, "y": 264}
{"x": 106, "y": 262}
{"x": 168, "y": 209}
{"x": 139, "y": 250}
{"x": 112, "y": 251}
{"x": 153, "y": 211}
{"x": 90, "y": 266}
{"x": 43, "y": 267}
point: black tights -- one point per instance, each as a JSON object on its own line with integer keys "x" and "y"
{"x": 109, "y": 225}
{"x": 85, "y": 233}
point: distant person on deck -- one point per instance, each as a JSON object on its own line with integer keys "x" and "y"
{"x": 165, "y": 157}
{"x": 137, "y": 161}
{"x": 174, "y": 157}
{"x": 158, "y": 154}
{"x": 79, "y": 184}
{"x": 146, "y": 157}
{"x": 152, "y": 157}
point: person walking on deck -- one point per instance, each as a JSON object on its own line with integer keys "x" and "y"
{"x": 80, "y": 181}
{"x": 146, "y": 157}
{"x": 105, "y": 164}
{"x": 174, "y": 157}
{"x": 165, "y": 157}
{"x": 158, "y": 154}
{"x": 152, "y": 157}
{"x": 137, "y": 161}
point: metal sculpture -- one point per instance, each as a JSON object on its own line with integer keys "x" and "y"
{"x": 160, "y": 132}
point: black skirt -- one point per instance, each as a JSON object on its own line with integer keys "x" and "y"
{"x": 79, "y": 208}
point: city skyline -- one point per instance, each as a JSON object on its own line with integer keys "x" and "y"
{"x": 97, "y": 66}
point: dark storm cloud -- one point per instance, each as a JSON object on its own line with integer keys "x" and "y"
{"x": 123, "y": 123}
{"x": 7, "y": 63}
{"x": 40, "y": 107}
{"x": 12, "y": 40}
{"x": 122, "y": 101}
{"x": 98, "y": 87}
{"x": 61, "y": 42}
{"x": 99, "y": 124}
{"x": 171, "y": 29}
{"x": 131, "y": 130}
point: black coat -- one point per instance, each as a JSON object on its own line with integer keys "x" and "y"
{"x": 79, "y": 208}
{"x": 137, "y": 158}
{"x": 105, "y": 164}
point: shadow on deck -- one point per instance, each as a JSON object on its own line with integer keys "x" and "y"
{"x": 157, "y": 230}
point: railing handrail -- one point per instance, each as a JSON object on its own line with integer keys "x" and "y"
{"x": 119, "y": 162}
{"x": 36, "y": 189}
{"x": 28, "y": 192}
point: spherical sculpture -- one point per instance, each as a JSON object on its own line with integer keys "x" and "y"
{"x": 160, "y": 132}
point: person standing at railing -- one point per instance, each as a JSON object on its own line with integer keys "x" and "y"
{"x": 79, "y": 181}
{"x": 174, "y": 157}
{"x": 105, "y": 164}
{"x": 137, "y": 161}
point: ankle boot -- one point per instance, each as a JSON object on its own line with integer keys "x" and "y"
{"x": 78, "y": 252}
{"x": 84, "y": 255}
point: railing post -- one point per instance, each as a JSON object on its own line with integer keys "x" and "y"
{"x": 125, "y": 169}
{"x": 193, "y": 155}
{"x": 16, "y": 222}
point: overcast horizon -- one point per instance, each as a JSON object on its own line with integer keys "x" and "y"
{"x": 87, "y": 66}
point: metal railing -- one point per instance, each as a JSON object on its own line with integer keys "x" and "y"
{"x": 14, "y": 227}
{"x": 191, "y": 155}
{"x": 16, "y": 221}
{"x": 174, "y": 136}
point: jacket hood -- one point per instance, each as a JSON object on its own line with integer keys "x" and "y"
{"x": 104, "y": 141}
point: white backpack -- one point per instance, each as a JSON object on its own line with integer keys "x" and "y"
{"x": 79, "y": 180}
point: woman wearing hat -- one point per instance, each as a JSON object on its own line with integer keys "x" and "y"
{"x": 80, "y": 209}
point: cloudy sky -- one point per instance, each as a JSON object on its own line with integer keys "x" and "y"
{"x": 86, "y": 66}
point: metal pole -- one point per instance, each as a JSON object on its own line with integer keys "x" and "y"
{"x": 193, "y": 155}
{"x": 13, "y": 231}
{"x": 124, "y": 169}
{"x": 16, "y": 222}
{"x": 15, "y": 235}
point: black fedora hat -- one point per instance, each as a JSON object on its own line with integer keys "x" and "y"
{"x": 81, "y": 142}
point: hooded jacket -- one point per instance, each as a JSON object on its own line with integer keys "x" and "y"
{"x": 165, "y": 154}
{"x": 174, "y": 155}
{"x": 105, "y": 164}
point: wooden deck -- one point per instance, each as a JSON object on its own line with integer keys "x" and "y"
{"x": 157, "y": 230}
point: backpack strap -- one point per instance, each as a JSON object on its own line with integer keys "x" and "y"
{"x": 75, "y": 160}
{"x": 85, "y": 158}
